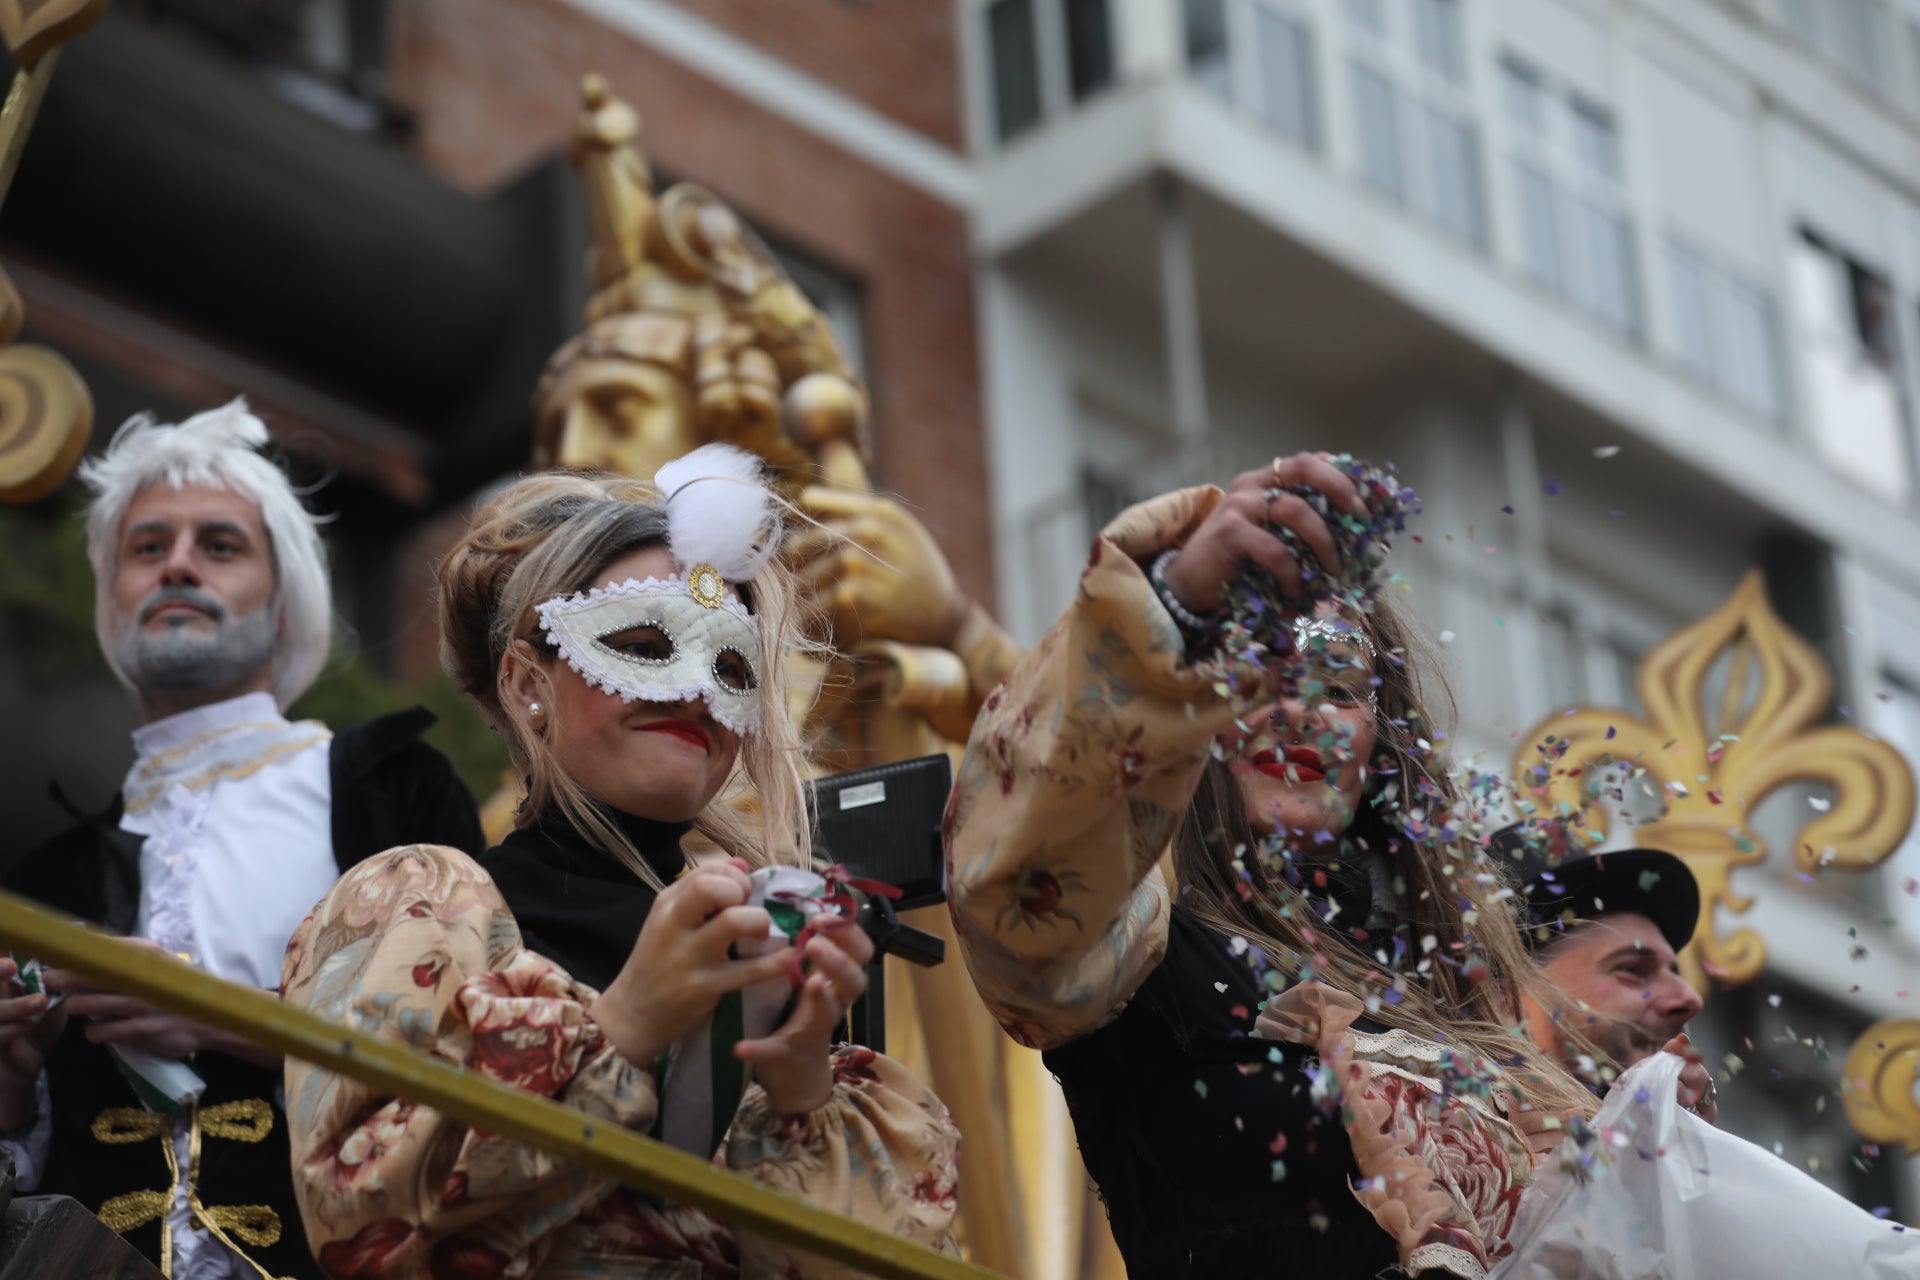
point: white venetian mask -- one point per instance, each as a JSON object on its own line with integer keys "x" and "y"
{"x": 668, "y": 640}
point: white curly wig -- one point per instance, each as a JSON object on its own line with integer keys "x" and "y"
{"x": 218, "y": 449}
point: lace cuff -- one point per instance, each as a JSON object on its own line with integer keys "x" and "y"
{"x": 883, "y": 1150}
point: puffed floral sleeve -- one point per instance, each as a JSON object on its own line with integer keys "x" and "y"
{"x": 1078, "y": 771}
{"x": 417, "y": 945}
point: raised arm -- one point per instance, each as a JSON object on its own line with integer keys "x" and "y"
{"x": 1078, "y": 771}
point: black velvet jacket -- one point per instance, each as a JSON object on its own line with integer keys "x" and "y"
{"x": 1207, "y": 1146}
{"x": 389, "y": 788}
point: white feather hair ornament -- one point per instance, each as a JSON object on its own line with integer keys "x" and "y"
{"x": 720, "y": 511}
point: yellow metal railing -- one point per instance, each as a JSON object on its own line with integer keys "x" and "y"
{"x": 626, "y": 1157}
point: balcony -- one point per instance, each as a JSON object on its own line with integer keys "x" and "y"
{"x": 1310, "y": 203}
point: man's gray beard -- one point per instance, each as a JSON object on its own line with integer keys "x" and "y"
{"x": 177, "y": 659}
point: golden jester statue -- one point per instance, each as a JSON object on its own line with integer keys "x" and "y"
{"x": 694, "y": 333}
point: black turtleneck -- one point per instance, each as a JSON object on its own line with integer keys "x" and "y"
{"x": 577, "y": 905}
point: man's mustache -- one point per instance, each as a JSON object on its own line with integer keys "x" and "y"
{"x": 205, "y": 602}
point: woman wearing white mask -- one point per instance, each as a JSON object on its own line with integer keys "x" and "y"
{"x": 628, "y": 647}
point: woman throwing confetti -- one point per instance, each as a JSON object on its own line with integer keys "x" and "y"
{"x": 1229, "y": 686}
{"x": 628, "y": 645}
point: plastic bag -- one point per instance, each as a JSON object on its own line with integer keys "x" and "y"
{"x": 1682, "y": 1200}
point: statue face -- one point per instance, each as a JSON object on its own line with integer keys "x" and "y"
{"x": 609, "y": 414}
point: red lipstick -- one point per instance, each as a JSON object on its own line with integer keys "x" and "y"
{"x": 1302, "y": 764}
{"x": 684, "y": 730}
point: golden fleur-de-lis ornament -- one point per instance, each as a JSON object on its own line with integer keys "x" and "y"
{"x": 1715, "y": 769}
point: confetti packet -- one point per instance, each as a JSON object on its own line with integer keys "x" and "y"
{"x": 161, "y": 1084}
{"x": 33, "y": 982}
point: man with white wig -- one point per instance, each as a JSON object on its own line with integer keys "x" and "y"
{"x": 213, "y": 607}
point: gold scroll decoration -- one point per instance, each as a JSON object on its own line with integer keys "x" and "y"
{"x": 1878, "y": 1084}
{"x": 1715, "y": 765}
{"x": 46, "y": 414}
{"x": 35, "y": 28}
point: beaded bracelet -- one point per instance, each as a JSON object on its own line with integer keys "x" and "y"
{"x": 1189, "y": 621}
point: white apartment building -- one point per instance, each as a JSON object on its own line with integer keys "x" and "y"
{"x": 1628, "y": 289}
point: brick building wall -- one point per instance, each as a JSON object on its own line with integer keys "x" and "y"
{"x": 494, "y": 86}
{"x": 901, "y": 57}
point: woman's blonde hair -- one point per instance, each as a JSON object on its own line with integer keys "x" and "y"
{"x": 1449, "y": 891}
{"x": 553, "y": 535}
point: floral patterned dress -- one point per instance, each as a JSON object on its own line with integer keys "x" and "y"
{"x": 1333, "y": 1152}
{"x": 418, "y": 945}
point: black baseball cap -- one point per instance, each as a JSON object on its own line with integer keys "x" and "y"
{"x": 1559, "y": 894}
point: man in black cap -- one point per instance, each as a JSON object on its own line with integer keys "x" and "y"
{"x": 1606, "y": 930}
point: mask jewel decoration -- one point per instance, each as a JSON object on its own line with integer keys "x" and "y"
{"x": 706, "y": 586}
{"x": 1329, "y": 676}
{"x": 670, "y": 640}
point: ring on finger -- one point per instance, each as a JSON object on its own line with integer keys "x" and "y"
{"x": 1278, "y": 480}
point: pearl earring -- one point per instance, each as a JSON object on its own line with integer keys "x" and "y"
{"x": 536, "y": 710}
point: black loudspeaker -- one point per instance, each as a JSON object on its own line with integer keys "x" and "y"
{"x": 883, "y": 824}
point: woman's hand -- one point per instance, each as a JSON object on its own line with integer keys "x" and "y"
{"x": 131, "y": 1023}
{"x": 792, "y": 1064}
{"x": 679, "y": 967}
{"x": 1236, "y": 530}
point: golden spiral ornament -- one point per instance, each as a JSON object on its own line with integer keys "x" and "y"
{"x": 46, "y": 417}
{"x": 1882, "y": 1069}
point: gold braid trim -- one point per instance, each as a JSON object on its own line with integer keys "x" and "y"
{"x": 134, "y": 1209}
{"x": 129, "y": 1124}
{"x": 117, "y": 1126}
{"x": 164, "y": 759}
{"x": 248, "y": 1120}
{"x": 139, "y": 803}
{"x": 257, "y": 1224}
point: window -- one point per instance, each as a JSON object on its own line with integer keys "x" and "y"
{"x": 1859, "y": 38}
{"x": 1089, "y": 46}
{"x": 1206, "y": 39}
{"x": 1288, "y": 95}
{"x": 1797, "y": 16}
{"x": 1569, "y": 182}
{"x": 1436, "y": 25}
{"x": 1379, "y": 117}
{"x": 1418, "y": 143}
{"x": 1016, "y": 67}
{"x": 1844, "y": 317}
{"x": 837, "y": 298}
{"x": 1854, "y": 37}
{"x": 1261, "y": 55}
{"x": 1724, "y": 331}
{"x": 1899, "y": 724}
{"x": 328, "y": 57}
{"x": 1045, "y": 55}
